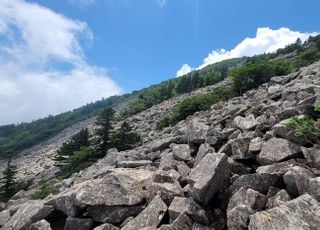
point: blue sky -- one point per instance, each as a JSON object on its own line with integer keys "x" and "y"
{"x": 59, "y": 55}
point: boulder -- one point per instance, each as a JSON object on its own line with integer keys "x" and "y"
{"x": 313, "y": 157}
{"x": 255, "y": 144}
{"x": 297, "y": 180}
{"x": 29, "y": 213}
{"x": 163, "y": 143}
{"x": 277, "y": 168}
{"x": 203, "y": 150}
{"x": 73, "y": 223}
{"x": 181, "y": 152}
{"x": 257, "y": 181}
{"x": 207, "y": 178}
{"x": 167, "y": 161}
{"x": 151, "y": 216}
{"x": 245, "y": 123}
{"x": 106, "y": 227}
{"x": 300, "y": 213}
{"x": 240, "y": 149}
{"x": 197, "y": 131}
{"x": 4, "y": 217}
{"x": 189, "y": 207}
{"x": 238, "y": 217}
{"x": 278, "y": 149}
{"x": 280, "y": 130}
{"x": 182, "y": 222}
{"x": 183, "y": 169}
{"x": 133, "y": 164}
{"x": 40, "y": 225}
{"x": 167, "y": 191}
{"x": 278, "y": 199}
{"x": 170, "y": 176}
{"x": 314, "y": 188}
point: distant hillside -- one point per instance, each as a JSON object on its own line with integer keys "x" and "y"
{"x": 24, "y": 135}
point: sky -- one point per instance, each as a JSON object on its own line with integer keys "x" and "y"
{"x": 59, "y": 55}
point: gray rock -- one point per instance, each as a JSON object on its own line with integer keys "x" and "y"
{"x": 280, "y": 130}
{"x": 73, "y": 223}
{"x": 40, "y": 225}
{"x": 197, "y": 131}
{"x": 106, "y": 227}
{"x": 257, "y": 181}
{"x": 170, "y": 176}
{"x": 245, "y": 123}
{"x": 278, "y": 199}
{"x": 2, "y": 206}
{"x": 151, "y": 216}
{"x": 255, "y": 144}
{"x": 278, "y": 149}
{"x": 238, "y": 217}
{"x": 29, "y": 213}
{"x": 167, "y": 161}
{"x": 314, "y": 188}
{"x": 182, "y": 222}
{"x": 240, "y": 149}
{"x": 183, "y": 169}
{"x": 161, "y": 144}
{"x": 297, "y": 180}
{"x": 207, "y": 178}
{"x": 133, "y": 164}
{"x": 189, "y": 207}
{"x": 313, "y": 157}
{"x": 167, "y": 191}
{"x": 203, "y": 150}
{"x": 277, "y": 168}
{"x": 4, "y": 217}
{"x": 181, "y": 152}
{"x": 300, "y": 213}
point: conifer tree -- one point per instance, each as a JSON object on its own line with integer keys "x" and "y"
{"x": 104, "y": 121}
{"x": 8, "y": 181}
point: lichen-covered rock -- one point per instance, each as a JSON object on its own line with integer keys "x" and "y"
{"x": 278, "y": 199}
{"x": 203, "y": 150}
{"x": 240, "y": 149}
{"x": 151, "y": 216}
{"x": 207, "y": 178}
{"x": 29, "y": 213}
{"x": 238, "y": 217}
{"x": 277, "y": 168}
{"x": 167, "y": 191}
{"x": 182, "y": 222}
{"x": 170, "y": 176}
{"x": 255, "y": 144}
{"x": 278, "y": 149}
{"x": 300, "y": 213}
{"x": 189, "y": 207}
{"x": 197, "y": 131}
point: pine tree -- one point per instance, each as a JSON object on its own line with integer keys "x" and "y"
{"x": 8, "y": 181}
{"x": 104, "y": 121}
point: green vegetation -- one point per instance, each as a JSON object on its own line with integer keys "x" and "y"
{"x": 305, "y": 128}
{"x": 194, "y": 104}
{"x": 45, "y": 190}
{"x": 8, "y": 184}
{"x": 317, "y": 107}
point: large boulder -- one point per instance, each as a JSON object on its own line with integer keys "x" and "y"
{"x": 133, "y": 164}
{"x": 4, "y": 217}
{"x": 151, "y": 216}
{"x": 277, "y": 168}
{"x": 40, "y": 225}
{"x": 163, "y": 143}
{"x": 313, "y": 157}
{"x": 203, "y": 150}
{"x": 29, "y": 213}
{"x": 278, "y": 199}
{"x": 240, "y": 148}
{"x": 207, "y": 178}
{"x": 181, "y": 152}
{"x": 278, "y": 149}
{"x": 197, "y": 131}
{"x": 238, "y": 217}
{"x": 245, "y": 123}
{"x": 314, "y": 188}
{"x": 189, "y": 207}
{"x": 167, "y": 191}
{"x": 73, "y": 223}
{"x": 300, "y": 213}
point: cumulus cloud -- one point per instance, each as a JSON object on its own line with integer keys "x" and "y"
{"x": 185, "y": 68}
{"x": 266, "y": 41}
{"x": 42, "y": 64}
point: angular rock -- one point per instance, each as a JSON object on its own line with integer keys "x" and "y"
{"x": 257, "y": 181}
{"x": 133, "y": 164}
{"x": 4, "y": 217}
{"x": 313, "y": 157}
{"x": 167, "y": 191}
{"x": 278, "y": 199}
{"x": 314, "y": 188}
{"x": 277, "y": 168}
{"x": 255, "y": 144}
{"x": 151, "y": 216}
{"x": 40, "y": 225}
{"x": 106, "y": 227}
{"x": 297, "y": 180}
{"x": 161, "y": 144}
{"x": 278, "y": 149}
{"x": 183, "y": 169}
{"x": 245, "y": 123}
{"x": 189, "y": 207}
{"x": 167, "y": 161}
{"x": 181, "y": 152}
{"x": 203, "y": 150}
{"x": 280, "y": 130}
{"x": 240, "y": 149}
{"x": 29, "y": 213}
{"x": 238, "y": 217}
{"x": 170, "y": 176}
{"x": 73, "y": 223}
{"x": 197, "y": 131}
{"x": 208, "y": 176}
{"x": 182, "y": 222}
{"x": 300, "y": 213}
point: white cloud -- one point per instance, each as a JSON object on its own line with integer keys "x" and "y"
{"x": 185, "y": 68}
{"x": 266, "y": 41}
{"x": 42, "y": 66}
{"x": 82, "y": 3}
{"x": 162, "y": 3}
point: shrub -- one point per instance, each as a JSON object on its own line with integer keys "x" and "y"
{"x": 45, "y": 190}
{"x": 305, "y": 127}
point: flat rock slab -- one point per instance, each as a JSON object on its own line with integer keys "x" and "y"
{"x": 207, "y": 178}
{"x": 278, "y": 149}
{"x": 300, "y": 213}
{"x": 151, "y": 216}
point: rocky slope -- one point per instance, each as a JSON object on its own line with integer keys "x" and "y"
{"x": 235, "y": 166}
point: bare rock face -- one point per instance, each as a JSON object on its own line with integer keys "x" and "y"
{"x": 300, "y": 213}
{"x": 208, "y": 177}
{"x": 278, "y": 149}
{"x": 151, "y": 216}
{"x": 29, "y": 213}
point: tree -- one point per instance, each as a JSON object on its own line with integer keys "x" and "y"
{"x": 104, "y": 121}
{"x": 8, "y": 181}
{"x": 125, "y": 138}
